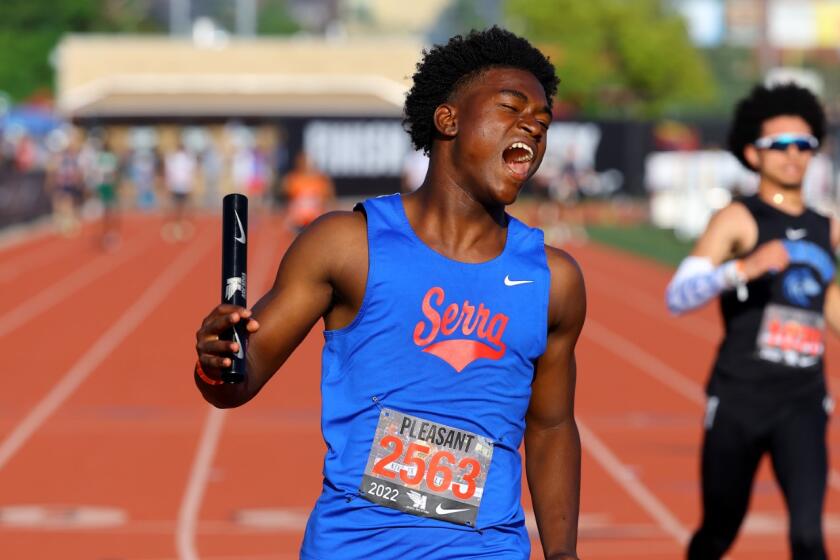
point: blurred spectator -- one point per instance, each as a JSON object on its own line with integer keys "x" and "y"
{"x": 565, "y": 189}
{"x": 180, "y": 168}
{"x": 280, "y": 164}
{"x": 241, "y": 167}
{"x": 212, "y": 169}
{"x": 143, "y": 165}
{"x": 26, "y": 154}
{"x": 258, "y": 179}
{"x": 65, "y": 184}
{"x": 308, "y": 191}
{"x": 561, "y": 216}
{"x": 107, "y": 180}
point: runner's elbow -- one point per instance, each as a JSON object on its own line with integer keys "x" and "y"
{"x": 226, "y": 396}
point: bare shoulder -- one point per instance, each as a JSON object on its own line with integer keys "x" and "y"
{"x": 328, "y": 244}
{"x": 731, "y": 231}
{"x": 334, "y": 233}
{"x": 336, "y": 227}
{"x": 733, "y": 211}
{"x": 567, "y": 296}
{"x": 562, "y": 265}
{"x": 734, "y": 216}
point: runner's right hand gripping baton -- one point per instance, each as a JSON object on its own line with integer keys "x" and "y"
{"x": 234, "y": 267}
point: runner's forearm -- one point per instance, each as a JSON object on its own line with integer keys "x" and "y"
{"x": 552, "y": 462}
{"x": 227, "y": 395}
{"x": 698, "y": 281}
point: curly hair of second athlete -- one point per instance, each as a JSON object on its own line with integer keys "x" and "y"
{"x": 765, "y": 103}
{"x": 444, "y": 69}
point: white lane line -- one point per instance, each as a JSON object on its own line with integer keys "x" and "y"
{"x": 649, "y": 364}
{"x": 20, "y": 234}
{"x": 655, "y": 307}
{"x": 625, "y": 478}
{"x": 21, "y": 264}
{"x": 47, "y": 298}
{"x": 101, "y": 349}
{"x": 185, "y": 532}
{"x": 658, "y": 370}
{"x": 199, "y": 474}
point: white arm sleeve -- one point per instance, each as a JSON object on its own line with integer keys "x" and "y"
{"x": 697, "y": 281}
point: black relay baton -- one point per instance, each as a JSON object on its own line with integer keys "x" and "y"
{"x": 234, "y": 268}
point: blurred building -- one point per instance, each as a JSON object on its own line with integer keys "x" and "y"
{"x": 386, "y": 17}
{"x": 106, "y": 77}
{"x": 338, "y": 99}
{"x": 773, "y": 26}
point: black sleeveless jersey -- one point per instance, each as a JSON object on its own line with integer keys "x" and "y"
{"x": 776, "y": 335}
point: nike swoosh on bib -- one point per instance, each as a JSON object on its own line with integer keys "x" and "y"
{"x": 509, "y": 282}
{"x": 440, "y": 510}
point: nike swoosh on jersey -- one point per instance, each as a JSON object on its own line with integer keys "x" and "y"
{"x": 796, "y": 234}
{"x": 509, "y": 282}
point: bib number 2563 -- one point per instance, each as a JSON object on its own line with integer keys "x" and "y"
{"x": 426, "y": 468}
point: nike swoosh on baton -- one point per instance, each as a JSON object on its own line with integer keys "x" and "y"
{"x": 509, "y": 282}
{"x": 239, "y": 353}
{"x": 241, "y": 236}
{"x": 443, "y": 511}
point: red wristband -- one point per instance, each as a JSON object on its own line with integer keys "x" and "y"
{"x": 204, "y": 377}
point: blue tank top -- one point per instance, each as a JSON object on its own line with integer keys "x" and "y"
{"x": 424, "y": 398}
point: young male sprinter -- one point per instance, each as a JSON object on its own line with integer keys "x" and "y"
{"x": 450, "y": 332}
{"x": 771, "y": 260}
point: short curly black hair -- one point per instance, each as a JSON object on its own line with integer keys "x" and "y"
{"x": 765, "y": 103}
{"x": 444, "y": 69}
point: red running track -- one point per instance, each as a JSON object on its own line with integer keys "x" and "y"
{"x": 108, "y": 452}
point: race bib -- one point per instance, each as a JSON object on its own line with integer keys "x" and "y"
{"x": 426, "y": 468}
{"x": 791, "y": 336}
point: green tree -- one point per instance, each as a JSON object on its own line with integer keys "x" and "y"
{"x": 616, "y": 57}
{"x": 462, "y": 16}
{"x": 736, "y": 70}
{"x": 30, "y": 30}
{"x": 275, "y": 19}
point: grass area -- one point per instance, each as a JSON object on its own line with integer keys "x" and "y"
{"x": 643, "y": 239}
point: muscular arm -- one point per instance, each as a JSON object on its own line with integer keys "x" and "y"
{"x": 730, "y": 233}
{"x": 552, "y": 443}
{"x": 710, "y": 269}
{"x": 701, "y": 276}
{"x": 304, "y": 290}
{"x": 831, "y": 308}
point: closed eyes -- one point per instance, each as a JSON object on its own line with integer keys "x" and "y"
{"x": 514, "y": 109}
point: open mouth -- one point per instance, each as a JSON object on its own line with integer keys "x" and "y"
{"x": 518, "y": 157}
